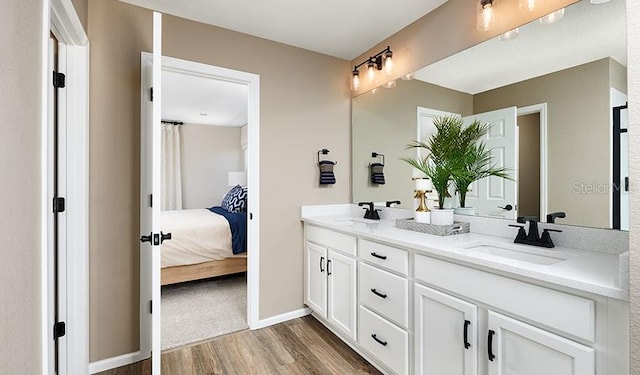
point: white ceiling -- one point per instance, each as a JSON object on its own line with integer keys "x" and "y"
{"x": 187, "y": 98}
{"x": 339, "y": 28}
{"x": 586, "y": 33}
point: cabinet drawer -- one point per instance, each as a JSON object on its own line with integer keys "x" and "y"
{"x": 385, "y": 293}
{"x": 385, "y": 341}
{"x": 384, "y": 256}
{"x": 331, "y": 239}
{"x": 564, "y": 312}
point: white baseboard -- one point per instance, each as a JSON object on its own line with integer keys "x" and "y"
{"x": 281, "y": 318}
{"x": 115, "y": 362}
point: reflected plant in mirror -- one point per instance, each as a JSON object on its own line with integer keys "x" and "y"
{"x": 555, "y": 99}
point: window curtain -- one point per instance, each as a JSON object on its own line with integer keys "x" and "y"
{"x": 171, "y": 184}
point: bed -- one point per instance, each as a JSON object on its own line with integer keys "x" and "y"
{"x": 205, "y": 243}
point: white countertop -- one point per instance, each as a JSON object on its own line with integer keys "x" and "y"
{"x": 588, "y": 271}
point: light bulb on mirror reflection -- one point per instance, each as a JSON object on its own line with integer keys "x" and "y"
{"x": 511, "y": 34}
{"x": 390, "y": 84}
{"x": 552, "y": 17}
{"x": 529, "y": 5}
{"x": 486, "y": 15}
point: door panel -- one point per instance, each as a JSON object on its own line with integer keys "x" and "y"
{"x": 341, "y": 307}
{"x": 521, "y": 349}
{"x": 489, "y": 194}
{"x": 316, "y": 279}
{"x": 440, "y": 321}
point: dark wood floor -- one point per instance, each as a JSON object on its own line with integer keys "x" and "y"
{"x": 299, "y": 346}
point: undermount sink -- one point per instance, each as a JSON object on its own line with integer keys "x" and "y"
{"x": 515, "y": 252}
{"x": 356, "y": 222}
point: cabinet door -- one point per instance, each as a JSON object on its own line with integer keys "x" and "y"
{"x": 517, "y": 348}
{"x": 315, "y": 291}
{"x": 445, "y": 334}
{"x": 341, "y": 276}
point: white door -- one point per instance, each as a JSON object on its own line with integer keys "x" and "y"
{"x": 516, "y": 348}
{"x": 341, "y": 307}
{"x": 492, "y": 196}
{"x": 150, "y": 239}
{"x": 445, "y": 334}
{"x": 316, "y": 279}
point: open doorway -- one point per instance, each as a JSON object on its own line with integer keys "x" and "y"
{"x": 208, "y": 200}
{"x": 203, "y": 204}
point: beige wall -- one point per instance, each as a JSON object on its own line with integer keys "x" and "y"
{"x": 305, "y": 106}
{"x": 449, "y": 29}
{"x": 386, "y": 123}
{"x": 208, "y": 153}
{"x": 633, "y": 65}
{"x": 578, "y": 112}
{"x": 529, "y": 165}
{"x": 20, "y": 42}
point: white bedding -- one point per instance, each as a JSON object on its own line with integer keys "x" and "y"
{"x": 197, "y": 236}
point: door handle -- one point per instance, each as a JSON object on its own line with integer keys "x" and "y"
{"x": 508, "y": 207}
{"x": 490, "y": 345}
{"x": 145, "y": 238}
{"x": 164, "y": 237}
{"x": 466, "y": 334}
{"x": 328, "y": 267}
{"x": 321, "y": 264}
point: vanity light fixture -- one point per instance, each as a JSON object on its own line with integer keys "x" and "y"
{"x": 486, "y": 15}
{"x": 511, "y": 34}
{"x": 381, "y": 60}
{"x": 552, "y": 17}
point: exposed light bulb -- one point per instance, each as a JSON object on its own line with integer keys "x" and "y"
{"x": 355, "y": 82}
{"x": 486, "y": 15}
{"x": 371, "y": 71}
{"x": 388, "y": 62}
{"x": 552, "y": 17}
{"x": 529, "y": 5}
{"x": 511, "y": 34}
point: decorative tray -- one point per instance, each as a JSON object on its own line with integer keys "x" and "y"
{"x": 438, "y": 230}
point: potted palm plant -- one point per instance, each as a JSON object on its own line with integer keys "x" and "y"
{"x": 472, "y": 162}
{"x": 439, "y": 165}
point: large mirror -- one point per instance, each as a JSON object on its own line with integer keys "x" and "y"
{"x": 565, "y": 86}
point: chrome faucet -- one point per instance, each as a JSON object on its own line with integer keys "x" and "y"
{"x": 533, "y": 237}
{"x": 370, "y": 213}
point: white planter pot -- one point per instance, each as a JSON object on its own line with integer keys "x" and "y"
{"x": 442, "y": 216}
{"x": 422, "y": 217}
{"x": 465, "y": 211}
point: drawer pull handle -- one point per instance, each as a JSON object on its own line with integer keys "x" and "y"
{"x": 381, "y": 295}
{"x": 466, "y": 334}
{"x": 321, "y": 264}
{"x": 381, "y": 342}
{"x": 490, "y": 345}
{"x": 329, "y": 267}
{"x": 383, "y": 257}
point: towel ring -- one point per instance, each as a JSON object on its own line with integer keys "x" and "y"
{"x": 324, "y": 151}
{"x": 375, "y": 155}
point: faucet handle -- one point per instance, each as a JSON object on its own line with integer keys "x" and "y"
{"x": 545, "y": 240}
{"x": 551, "y": 230}
{"x": 522, "y": 234}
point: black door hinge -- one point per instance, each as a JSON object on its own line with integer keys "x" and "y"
{"x": 59, "y": 330}
{"x": 58, "y": 205}
{"x": 58, "y": 80}
{"x": 150, "y": 307}
{"x": 151, "y": 93}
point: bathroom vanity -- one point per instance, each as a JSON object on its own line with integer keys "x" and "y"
{"x": 472, "y": 303}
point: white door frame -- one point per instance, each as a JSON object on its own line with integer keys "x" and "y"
{"x": 60, "y": 18}
{"x": 544, "y": 194}
{"x": 253, "y": 182}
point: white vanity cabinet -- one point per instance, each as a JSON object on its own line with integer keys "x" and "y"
{"x": 330, "y": 278}
{"x": 503, "y": 345}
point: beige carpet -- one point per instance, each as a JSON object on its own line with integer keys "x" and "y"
{"x": 200, "y": 310}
